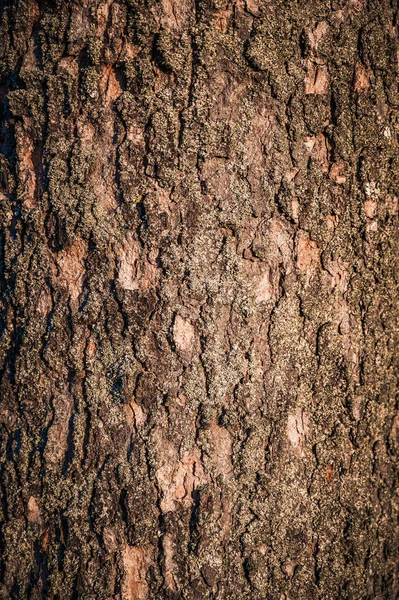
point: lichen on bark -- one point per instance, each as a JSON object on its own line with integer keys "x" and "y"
{"x": 199, "y": 317}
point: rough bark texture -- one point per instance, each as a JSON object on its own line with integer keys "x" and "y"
{"x": 199, "y": 327}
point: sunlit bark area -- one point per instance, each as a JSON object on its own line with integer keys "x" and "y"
{"x": 199, "y": 268}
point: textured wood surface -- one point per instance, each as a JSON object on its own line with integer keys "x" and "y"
{"x": 199, "y": 299}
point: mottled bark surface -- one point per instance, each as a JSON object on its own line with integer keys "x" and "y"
{"x": 199, "y": 284}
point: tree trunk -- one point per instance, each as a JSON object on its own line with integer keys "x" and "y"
{"x": 199, "y": 328}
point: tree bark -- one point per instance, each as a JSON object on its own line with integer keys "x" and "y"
{"x": 199, "y": 283}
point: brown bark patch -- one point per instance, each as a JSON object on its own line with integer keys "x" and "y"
{"x": 68, "y": 65}
{"x": 57, "y": 434}
{"x": 34, "y": 515}
{"x": 26, "y": 169}
{"x": 251, "y": 6}
{"x": 176, "y": 13}
{"x": 103, "y": 16}
{"x": 290, "y": 567}
{"x": 317, "y": 80}
{"x": 357, "y": 6}
{"x": 335, "y": 173}
{"x": 298, "y": 430}
{"x": 329, "y": 474}
{"x": 91, "y": 348}
{"x": 136, "y": 272}
{"x": 45, "y": 302}
{"x": 185, "y": 477}
{"x": 177, "y": 477}
{"x": 110, "y": 541}
{"x": 343, "y": 319}
{"x": 331, "y": 221}
{"x": 317, "y": 147}
{"x": 291, "y": 175}
{"x": 86, "y": 132}
{"x": 136, "y": 562}
{"x": 131, "y": 50}
{"x": 71, "y": 263}
{"x": 370, "y": 208}
{"x": 229, "y": 93}
{"x": 308, "y": 254}
{"x": 135, "y": 416}
{"x": 264, "y": 290}
{"x": 393, "y": 205}
{"x": 394, "y": 434}
{"x": 221, "y": 450}
{"x": 170, "y": 566}
{"x": 110, "y": 86}
{"x": 337, "y": 275}
{"x": 45, "y": 540}
{"x": 281, "y": 239}
{"x": 222, "y": 18}
{"x": 259, "y": 140}
{"x": 317, "y": 33}
{"x": 295, "y": 209}
{"x": 105, "y": 195}
{"x": 362, "y": 80}
{"x": 183, "y": 334}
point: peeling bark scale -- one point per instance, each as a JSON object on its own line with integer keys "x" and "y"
{"x": 199, "y": 270}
